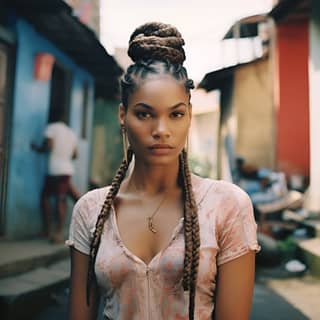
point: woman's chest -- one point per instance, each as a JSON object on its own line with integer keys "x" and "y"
{"x": 145, "y": 230}
{"x": 116, "y": 265}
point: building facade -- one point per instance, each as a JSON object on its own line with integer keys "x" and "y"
{"x": 43, "y": 71}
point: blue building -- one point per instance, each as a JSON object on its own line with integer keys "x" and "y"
{"x": 49, "y": 60}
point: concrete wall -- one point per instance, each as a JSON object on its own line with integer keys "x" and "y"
{"x": 254, "y": 113}
{"x": 203, "y": 143}
{"x": 313, "y": 198}
{"x": 204, "y": 132}
{"x": 29, "y": 118}
{"x": 107, "y": 151}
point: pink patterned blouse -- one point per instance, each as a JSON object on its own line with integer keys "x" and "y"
{"x": 133, "y": 290}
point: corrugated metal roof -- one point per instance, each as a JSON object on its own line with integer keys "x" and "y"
{"x": 215, "y": 79}
{"x": 54, "y": 20}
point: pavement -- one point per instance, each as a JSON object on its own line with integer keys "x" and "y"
{"x": 288, "y": 297}
{"x": 269, "y": 305}
{"x": 29, "y": 272}
{"x": 301, "y": 293}
{"x": 34, "y": 276}
{"x": 22, "y": 256}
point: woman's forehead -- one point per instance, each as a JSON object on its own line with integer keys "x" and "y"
{"x": 164, "y": 89}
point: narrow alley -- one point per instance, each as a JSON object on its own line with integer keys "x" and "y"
{"x": 168, "y": 154}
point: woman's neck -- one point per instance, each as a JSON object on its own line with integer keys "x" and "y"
{"x": 152, "y": 180}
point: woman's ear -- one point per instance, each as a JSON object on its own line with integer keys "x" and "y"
{"x": 121, "y": 114}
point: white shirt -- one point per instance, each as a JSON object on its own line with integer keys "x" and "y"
{"x": 64, "y": 143}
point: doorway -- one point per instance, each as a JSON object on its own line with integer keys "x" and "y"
{"x": 6, "y": 72}
{"x": 60, "y": 94}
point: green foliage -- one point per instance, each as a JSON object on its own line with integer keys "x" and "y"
{"x": 199, "y": 167}
{"x": 288, "y": 248}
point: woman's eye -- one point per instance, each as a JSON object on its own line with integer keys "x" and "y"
{"x": 177, "y": 114}
{"x": 143, "y": 115}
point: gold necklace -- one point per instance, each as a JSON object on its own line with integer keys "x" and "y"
{"x": 150, "y": 218}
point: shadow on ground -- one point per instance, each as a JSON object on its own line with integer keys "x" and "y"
{"x": 267, "y": 305}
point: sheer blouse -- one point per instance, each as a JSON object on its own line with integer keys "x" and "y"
{"x": 134, "y": 290}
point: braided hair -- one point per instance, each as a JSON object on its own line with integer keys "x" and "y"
{"x": 156, "y": 49}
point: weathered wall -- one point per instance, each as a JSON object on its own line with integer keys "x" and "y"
{"x": 29, "y": 117}
{"x": 107, "y": 150}
{"x": 254, "y": 113}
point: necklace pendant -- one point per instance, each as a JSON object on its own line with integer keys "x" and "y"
{"x": 150, "y": 225}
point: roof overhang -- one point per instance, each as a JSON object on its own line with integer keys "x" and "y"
{"x": 54, "y": 20}
{"x": 290, "y": 10}
{"x": 216, "y": 79}
{"x": 246, "y": 27}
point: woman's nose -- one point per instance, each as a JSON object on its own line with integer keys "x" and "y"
{"x": 161, "y": 129}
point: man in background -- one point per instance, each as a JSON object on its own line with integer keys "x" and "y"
{"x": 61, "y": 143}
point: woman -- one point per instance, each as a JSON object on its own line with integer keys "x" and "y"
{"x": 161, "y": 243}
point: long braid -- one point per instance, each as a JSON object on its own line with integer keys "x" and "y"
{"x": 195, "y": 232}
{"x": 187, "y": 229}
{"x": 104, "y": 213}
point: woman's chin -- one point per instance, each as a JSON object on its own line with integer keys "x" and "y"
{"x": 159, "y": 160}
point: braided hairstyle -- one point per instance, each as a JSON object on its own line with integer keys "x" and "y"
{"x": 156, "y": 49}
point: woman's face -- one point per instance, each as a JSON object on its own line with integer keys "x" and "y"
{"x": 157, "y": 120}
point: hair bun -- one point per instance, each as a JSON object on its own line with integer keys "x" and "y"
{"x": 158, "y": 41}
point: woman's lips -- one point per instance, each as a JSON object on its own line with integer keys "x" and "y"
{"x": 161, "y": 146}
{"x": 160, "y": 149}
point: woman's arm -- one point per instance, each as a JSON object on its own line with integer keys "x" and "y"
{"x": 235, "y": 285}
{"x": 78, "y": 308}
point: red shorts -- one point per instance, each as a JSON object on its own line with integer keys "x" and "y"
{"x": 57, "y": 185}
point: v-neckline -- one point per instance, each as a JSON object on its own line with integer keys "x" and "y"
{"x": 129, "y": 253}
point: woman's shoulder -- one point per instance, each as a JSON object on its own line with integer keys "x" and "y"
{"x": 232, "y": 192}
{"x": 90, "y": 203}
{"x": 94, "y": 195}
{"x": 84, "y": 218}
{"x": 220, "y": 192}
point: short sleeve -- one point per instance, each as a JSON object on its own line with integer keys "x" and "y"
{"x": 49, "y": 131}
{"x": 80, "y": 230}
{"x": 238, "y": 233}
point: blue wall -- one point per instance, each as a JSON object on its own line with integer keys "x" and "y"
{"x": 29, "y": 118}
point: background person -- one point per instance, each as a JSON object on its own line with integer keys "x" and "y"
{"x": 61, "y": 143}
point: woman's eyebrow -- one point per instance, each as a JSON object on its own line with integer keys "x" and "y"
{"x": 145, "y": 105}
{"x": 178, "y": 105}
{"x": 142, "y": 104}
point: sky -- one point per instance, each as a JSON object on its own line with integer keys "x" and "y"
{"x": 202, "y": 23}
